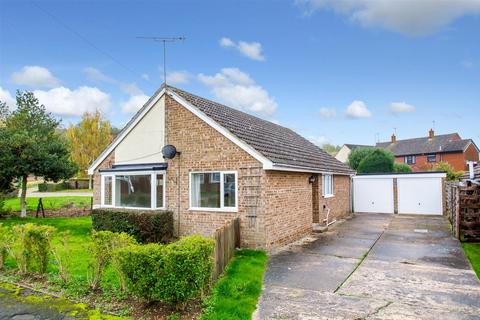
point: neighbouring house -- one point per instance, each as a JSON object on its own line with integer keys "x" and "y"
{"x": 228, "y": 164}
{"x": 421, "y": 154}
{"x": 345, "y": 150}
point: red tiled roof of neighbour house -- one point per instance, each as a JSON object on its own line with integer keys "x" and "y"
{"x": 425, "y": 145}
{"x": 280, "y": 145}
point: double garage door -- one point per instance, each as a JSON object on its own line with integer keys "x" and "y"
{"x": 416, "y": 193}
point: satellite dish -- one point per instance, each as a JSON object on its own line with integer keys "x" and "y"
{"x": 169, "y": 151}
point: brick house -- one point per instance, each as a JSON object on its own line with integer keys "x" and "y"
{"x": 228, "y": 164}
{"x": 421, "y": 154}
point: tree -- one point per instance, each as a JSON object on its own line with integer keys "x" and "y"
{"x": 30, "y": 145}
{"x": 357, "y": 155}
{"x": 446, "y": 167}
{"x": 331, "y": 149}
{"x": 88, "y": 139}
{"x": 401, "y": 167}
{"x": 378, "y": 161}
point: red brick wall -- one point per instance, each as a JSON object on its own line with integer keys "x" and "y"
{"x": 288, "y": 206}
{"x": 107, "y": 163}
{"x": 457, "y": 160}
{"x": 339, "y": 204}
{"x": 205, "y": 149}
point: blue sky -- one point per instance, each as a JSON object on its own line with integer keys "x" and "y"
{"x": 334, "y": 71}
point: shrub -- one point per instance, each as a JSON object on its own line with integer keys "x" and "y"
{"x": 101, "y": 249}
{"x": 61, "y": 254}
{"x": 357, "y": 155}
{"x": 31, "y": 248}
{"x": 52, "y": 187}
{"x": 377, "y": 162}
{"x": 144, "y": 226}
{"x": 446, "y": 167}
{"x": 171, "y": 273}
{"x": 401, "y": 167}
{"x": 3, "y": 209}
{"x": 5, "y": 244}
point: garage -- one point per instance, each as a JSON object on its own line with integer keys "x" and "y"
{"x": 403, "y": 193}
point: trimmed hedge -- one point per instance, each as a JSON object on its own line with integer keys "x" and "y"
{"x": 144, "y": 226}
{"x": 172, "y": 273}
{"x": 52, "y": 187}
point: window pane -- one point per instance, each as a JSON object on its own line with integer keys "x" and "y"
{"x": 107, "y": 191}
{"x": 133, "y": 191}
{"x": 205, "y": 190}
{"x": 160, "y": 191}
{"x": 229, "y": 190}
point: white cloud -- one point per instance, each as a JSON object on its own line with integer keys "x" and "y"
{"x": 237, "y": 89}
{"x": 400, "y": 107}
{"x": 178, "y": 77}
{"x": 145, "y": 76}
{"x": 319, "y": 140}
{"x": 358, "y": 109}
{"x": 34, "y": 76}
{"x": 468, "y": 64}
{"x": 66, "y": 102}
{"x": 252, "y": 50}
{"x": 134, "y": 103}
{"x": 327, "y": 113}
{"x": 6, "y": 97}
{"x": 411, "y": 17}
{"x": 96, "y": 75}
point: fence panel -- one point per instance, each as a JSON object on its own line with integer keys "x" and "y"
{"x": 227, "y": 239}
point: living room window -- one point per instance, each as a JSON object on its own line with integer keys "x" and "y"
{"x": 327, "y": 185}
{"x": 135, "y": 190}
{"x": 215, "y": 191}
{"x": 410, "y": 159}
{"x": 431, "y": 157}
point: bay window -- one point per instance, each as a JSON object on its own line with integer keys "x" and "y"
{"x": 213, "y": 191}
{"x": 136, "y": 190}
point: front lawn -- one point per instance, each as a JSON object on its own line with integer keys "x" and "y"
{"x": 236, "y": 294}
{"x": 472, "y": 250}
{"x": 49, "y": 203}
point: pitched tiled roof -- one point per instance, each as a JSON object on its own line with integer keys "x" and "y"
{"x": 355, "y": 146}
{"x": 440, "y": 143}
{"x": 280, "y": 145}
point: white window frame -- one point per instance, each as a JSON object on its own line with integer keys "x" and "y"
{"x": 153, "y": 188}
{"x": 328, "y": 193}
{"x": 222, "y": 191}
{"x": 414, "y": 159}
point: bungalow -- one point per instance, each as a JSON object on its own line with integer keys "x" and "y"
{"x": 219, "y": 163}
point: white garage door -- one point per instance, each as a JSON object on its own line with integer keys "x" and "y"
{"x": 373, "y": 194}
{"x": 419, "y": 195}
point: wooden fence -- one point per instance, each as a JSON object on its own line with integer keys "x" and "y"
{"x": 463, "y": 209}
{"x": 227, "y": 239}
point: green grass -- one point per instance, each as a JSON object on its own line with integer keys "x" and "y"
{"x": 79, "y": 229}
{"x": 48, "y": 202}
{"x": 235, "y": 295}
{"x": 472, "y": 250}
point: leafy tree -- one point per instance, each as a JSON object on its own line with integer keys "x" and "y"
{"x": 331, "y": 149}
{"x": 451, "y": 174}
{"x": 378, "y": 161}
{"x": 30, "y": 145}
{"x": 88, "y": 139}
{"x": 357, "y": 155}
{"x": 401, "y": 167}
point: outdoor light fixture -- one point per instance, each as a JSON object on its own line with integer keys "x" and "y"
{"x": 312, "y": 179}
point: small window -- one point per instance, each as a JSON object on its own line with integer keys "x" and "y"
{"x": 327, "y": 185}
{"x": 410, "y": 159}
{"x": 215, "y": 190}
{"x": 431, "y": 157}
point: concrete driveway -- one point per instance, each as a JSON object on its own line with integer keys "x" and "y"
{"x": 374, "y": 266}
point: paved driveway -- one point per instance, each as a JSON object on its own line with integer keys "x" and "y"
{"x": 374, "y": 266}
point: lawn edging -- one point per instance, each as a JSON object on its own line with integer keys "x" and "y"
{"x": 236, "y": 293}
{"x": 472, "y": 251}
